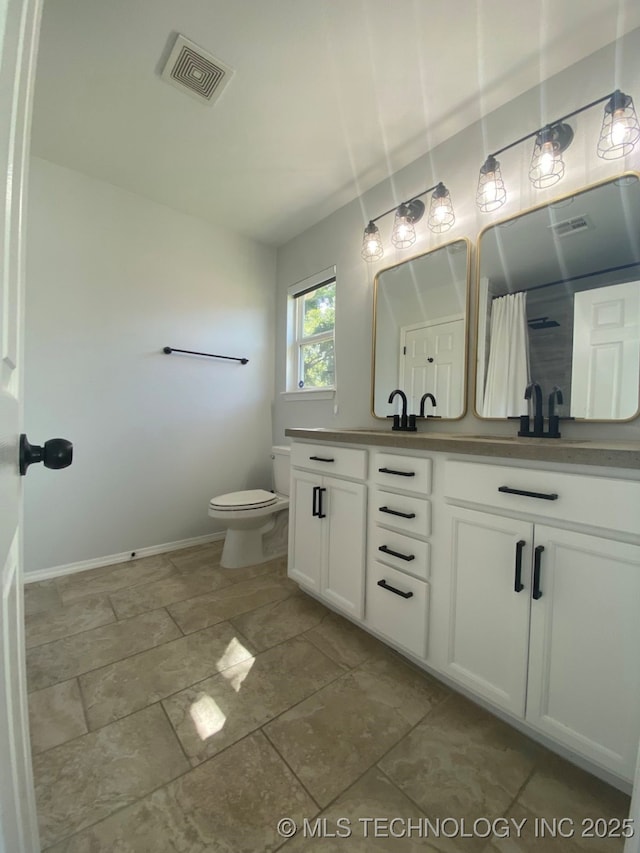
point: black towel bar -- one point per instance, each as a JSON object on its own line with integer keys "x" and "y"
{"x": 169, "y": 350}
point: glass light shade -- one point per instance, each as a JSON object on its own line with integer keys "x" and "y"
{"x": 441, "y": 215}
{"x": 404, "y": 232}
{"x": 547, "y": 165}
{"x": 372, "y": 249}
{"x": 491, "y": 193}
{"x": 620, "y": 128}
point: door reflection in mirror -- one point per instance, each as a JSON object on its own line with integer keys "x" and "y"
{"x": 578, "y": 262}
{"x": 420, "y": 332}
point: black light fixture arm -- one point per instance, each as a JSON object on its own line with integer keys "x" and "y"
{"x": 413, "y": 198}
{"x": 556, "y": 122}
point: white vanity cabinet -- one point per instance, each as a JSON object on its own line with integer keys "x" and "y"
{"x": 399, "y": 551}
{"x": 327, "y": 523}
{"x": 544, "y": 616}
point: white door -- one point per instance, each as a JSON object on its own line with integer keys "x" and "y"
{"x": 586, "y": 622}
{"x": 490, "y": 604}
{"x": 432, "y": 360}
{"x": 606, "y": 352}
{"x": 19, "y": 21}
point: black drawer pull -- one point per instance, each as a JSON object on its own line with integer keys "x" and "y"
{"x": 321, "y": 459}
{"x": 396, "y": 512}
{"x": 407, "y": 557}
{"x": 537, "y": 555}
{"x": 397, "y": 473}
{"x": 314, "y": 501}
{"x": 542, "y": 495}
{"x": 399, "y": 592}
{"x": 518, "y": 586}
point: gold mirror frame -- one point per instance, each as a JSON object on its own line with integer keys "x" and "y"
{"x": 569, "y": 195}
{"x": 466, "y": 306}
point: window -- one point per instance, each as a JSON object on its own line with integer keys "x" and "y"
{"x": 311, "y": 333}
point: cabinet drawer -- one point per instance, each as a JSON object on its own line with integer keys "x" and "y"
{"x": 401, "y": 618}
{"x": 409, "y": 473}
{"x": 402, "y": 552}
{"x": 410, "y": 514}
{"x": 329, "y": 459}
{"x": 578, "y": 498}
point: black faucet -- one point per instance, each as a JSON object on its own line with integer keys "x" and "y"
{"x": 554, "y": 420}
{"x": 423, "y": 399}
{"x": 538, "y": 417}
{"x": 402, "y": 422}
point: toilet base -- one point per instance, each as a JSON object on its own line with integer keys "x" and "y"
{"x": 251, "y": 547}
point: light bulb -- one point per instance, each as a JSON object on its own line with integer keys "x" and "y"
{"x": 372, "y": 243}
{"x": 620, "y": 128}
{"x": 491, "y": 193}
{"x": 490, "y": 188}
{"x": 547, "y": 159}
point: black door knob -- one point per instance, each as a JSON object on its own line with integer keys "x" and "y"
{"x": 56, "y": 453}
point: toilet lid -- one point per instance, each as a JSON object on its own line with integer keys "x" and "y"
{"x": 250, "y": 499}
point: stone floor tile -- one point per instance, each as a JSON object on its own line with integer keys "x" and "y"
{"x": 86, "y": 779}
{"x": 55, "y": 715}
{"x": 90, "y": 612}
{"x": 220, "y": 605}
{"x": 178, "y": 587}
{"x": 40, "y": 596}
{"x": 230, "y": 804}
{"x": 332, "y": 737}
{"x": 221, "y": 710}
{"x": 72, "y": 656}
{"x": 280, "y": 620}
{"x": 128, "y": 685}
{"x": 112, "y": 578}
{"x": 351, "y": 818}
{"x": 461, "y": 762}
{"x": 343, "y": 641}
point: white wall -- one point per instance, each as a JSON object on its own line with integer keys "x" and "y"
{"x": 111, "y": 279}
{"x": 337, "y": 239}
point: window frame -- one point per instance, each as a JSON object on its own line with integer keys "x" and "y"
{"x": 296, "y": 340}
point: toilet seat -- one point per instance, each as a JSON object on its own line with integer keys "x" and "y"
{"x": 250, "y": 499}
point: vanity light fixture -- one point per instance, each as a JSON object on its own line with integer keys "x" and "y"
{"x": 618, "y": 136}
{"x": 441, "y": 218}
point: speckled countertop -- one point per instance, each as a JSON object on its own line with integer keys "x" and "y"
{"x": 614, "y": 454}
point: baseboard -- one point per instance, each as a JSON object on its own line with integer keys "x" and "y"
{"x": 113, "y": 559}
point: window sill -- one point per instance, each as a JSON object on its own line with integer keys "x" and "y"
{"x": 309, "y": 394}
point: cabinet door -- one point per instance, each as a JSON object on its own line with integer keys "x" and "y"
{"x": 305, "y": 531}
{"x": 489, "y": 619}
{"x": 584, "y": 677}
{"x": 345, "y": 505}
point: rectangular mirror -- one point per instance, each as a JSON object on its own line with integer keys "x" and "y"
{"x": 559, "y": 304}
{"x": 420, "y": 332}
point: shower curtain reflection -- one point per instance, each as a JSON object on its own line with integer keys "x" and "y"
{"x": 508, "y": 367}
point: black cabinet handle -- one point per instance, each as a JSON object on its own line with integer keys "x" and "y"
{"x": 396, "y": 512}
{"x": 314, "y": 501}
{"x": 390, "y": 588}
{"x": 321, "y": 459}
{"x": 518, "y": 586}
{"x": 537, "y": 554}
{"x": 397, "y": 473}
{"x": 321, "y": 513}
{"x": 542, "y": 495}
{"x": 407, "y": 557}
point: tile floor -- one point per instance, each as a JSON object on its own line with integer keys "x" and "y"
{"x": 178, "y": 706}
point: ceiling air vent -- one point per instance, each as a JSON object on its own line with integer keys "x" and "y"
{"x": 571, "y": 226}
{"x": 196, "y": 72}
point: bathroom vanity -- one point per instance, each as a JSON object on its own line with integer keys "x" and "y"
{"x": 508, "y": 567}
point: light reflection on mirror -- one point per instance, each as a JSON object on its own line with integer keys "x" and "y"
{"x": 420, "y": 332}
{"x": 559, "y": 304}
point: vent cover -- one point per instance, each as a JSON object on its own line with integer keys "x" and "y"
{"x": 196, "y": 72}
{"x": 571, "y": 226}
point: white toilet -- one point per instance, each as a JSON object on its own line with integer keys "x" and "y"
{"x": 256, "y": 520}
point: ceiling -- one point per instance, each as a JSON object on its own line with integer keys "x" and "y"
{"x": 329, "y": 96}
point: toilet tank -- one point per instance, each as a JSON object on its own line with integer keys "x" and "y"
{"x": 280, "y": 458}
